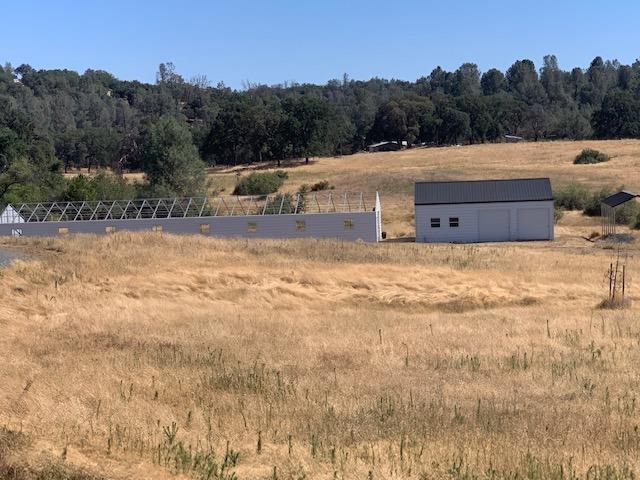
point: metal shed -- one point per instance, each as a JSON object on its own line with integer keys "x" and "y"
{"x": 484, "y": 210}
{"x": 609, "y": 207}
{"x": 347, "y": 216}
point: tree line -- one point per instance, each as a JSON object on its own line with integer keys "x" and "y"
{"x": 52, "y": 121}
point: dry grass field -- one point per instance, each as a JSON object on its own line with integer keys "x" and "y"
{"x": 152, "y": 356}
{"x": 394, "y": 173}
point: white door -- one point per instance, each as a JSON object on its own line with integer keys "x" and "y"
{"x": 493, "y": 226}
{"x": 533, "y": 224}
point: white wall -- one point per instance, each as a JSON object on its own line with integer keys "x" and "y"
{"x": 467, "y": 232}
{"x": 364, "y": 226}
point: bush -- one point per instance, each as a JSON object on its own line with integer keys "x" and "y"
{"x": 572, "y": 197}
{"x": 260, "y": 183}
{"x": 589, "y": 155}
{"x": 558, "y": 213}
{"x": 80, "y": 188}
{"x": 592, "y": 204}
{"x": 103, "y": 186}
{"x": 321, "y": 185}
{"x": 112, "y": 187}
{"x": 627, "y": 214}
{"x": 280, "y": 203}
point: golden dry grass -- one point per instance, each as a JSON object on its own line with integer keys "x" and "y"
{"x": 152, "y": 356}
{"x": 403, "y": 360}
{"x": 394, "y": 173}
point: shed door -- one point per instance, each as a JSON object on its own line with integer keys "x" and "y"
{"x": 533, "y": 224}
{"x": 493, "y": 226}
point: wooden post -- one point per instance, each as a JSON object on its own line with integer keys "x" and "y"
{"x": 615, "y": 281}
{"x": 610, "y": 279}
{"x": 623, "y": 280}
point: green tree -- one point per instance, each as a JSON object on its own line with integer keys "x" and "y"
{"x": 390, "y": 123}
{"x": 553, "y": 80}
{"x": 619, "y": 116}
{"x": 523, "y": 82}
{"x": 456, "y": 126}
{"x": 466, "y": 80}
{"x": 171, "y": 162}
{"x": 307, "y": 124}
{"x": 492, "y": 82}
{"x": 536, "y": 121}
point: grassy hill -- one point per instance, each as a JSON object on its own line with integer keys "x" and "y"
{"x": 394, "y": 173}
{"x": 152, "y": 356}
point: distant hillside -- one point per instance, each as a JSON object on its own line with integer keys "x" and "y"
{"x": 51, "y": 120}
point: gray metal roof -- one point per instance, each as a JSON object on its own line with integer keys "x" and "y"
{"x": 483, "y": 191}
{"x": 619, "y": 198}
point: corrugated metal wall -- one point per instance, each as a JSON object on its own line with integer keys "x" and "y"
{"x": 348, "y": 226}
{"x": 468, "y": 215}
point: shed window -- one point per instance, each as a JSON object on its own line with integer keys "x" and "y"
{"x": 205, "y": 228}
{"x": 435, "y": 223}
{"x": 110, "y": 229}
{"x": 252, "y": 227}
{"x": 348, "y": 224}
{"x": 63, "y": 231}
{"x": 157, "y": 228}
{"x": 454, "y": 222}
{"x": 301, "y": 225}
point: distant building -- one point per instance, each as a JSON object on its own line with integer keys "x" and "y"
{"x": 609, "y": 207}
{"x": 484, "y": 211}
{"x": 387, "y": 146}
{"x": 327, "y": 214}
{"x": 513, "y": 138}
{"x": 10, "y": 215}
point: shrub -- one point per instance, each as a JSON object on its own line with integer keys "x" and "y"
{"x": 302, "y": 198}
{"x": 260, "y": 183}
{"x": 627, "y": 214}
{"x": 112, "y": 187}
{"x": 280, "y": 203}
{"x": 572, "y": 197}
{"x": 558, "y": 213}
{"x": 321, "y": 185}
{"x": 592, "y": 204}
{"x": 80, "y": 188}
{"x": 103, "y": 186}
{"x": 589, "y": 155}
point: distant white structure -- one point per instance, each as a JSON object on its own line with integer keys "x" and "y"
{"x": 11, "y": 215}
{"x": 387, "y": 146}
{"x": 328, "y": 214}
{"x": 484, "y": 211}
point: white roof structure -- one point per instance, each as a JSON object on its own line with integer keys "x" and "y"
{"x": 159, "y": 208}
{"x": 10, "y": 215}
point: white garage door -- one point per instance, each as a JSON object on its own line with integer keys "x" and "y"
{"x": 533, "y": 224}
{"x": 493, "y": 225}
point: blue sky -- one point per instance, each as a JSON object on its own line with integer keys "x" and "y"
{"x": 312, "y": 41}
